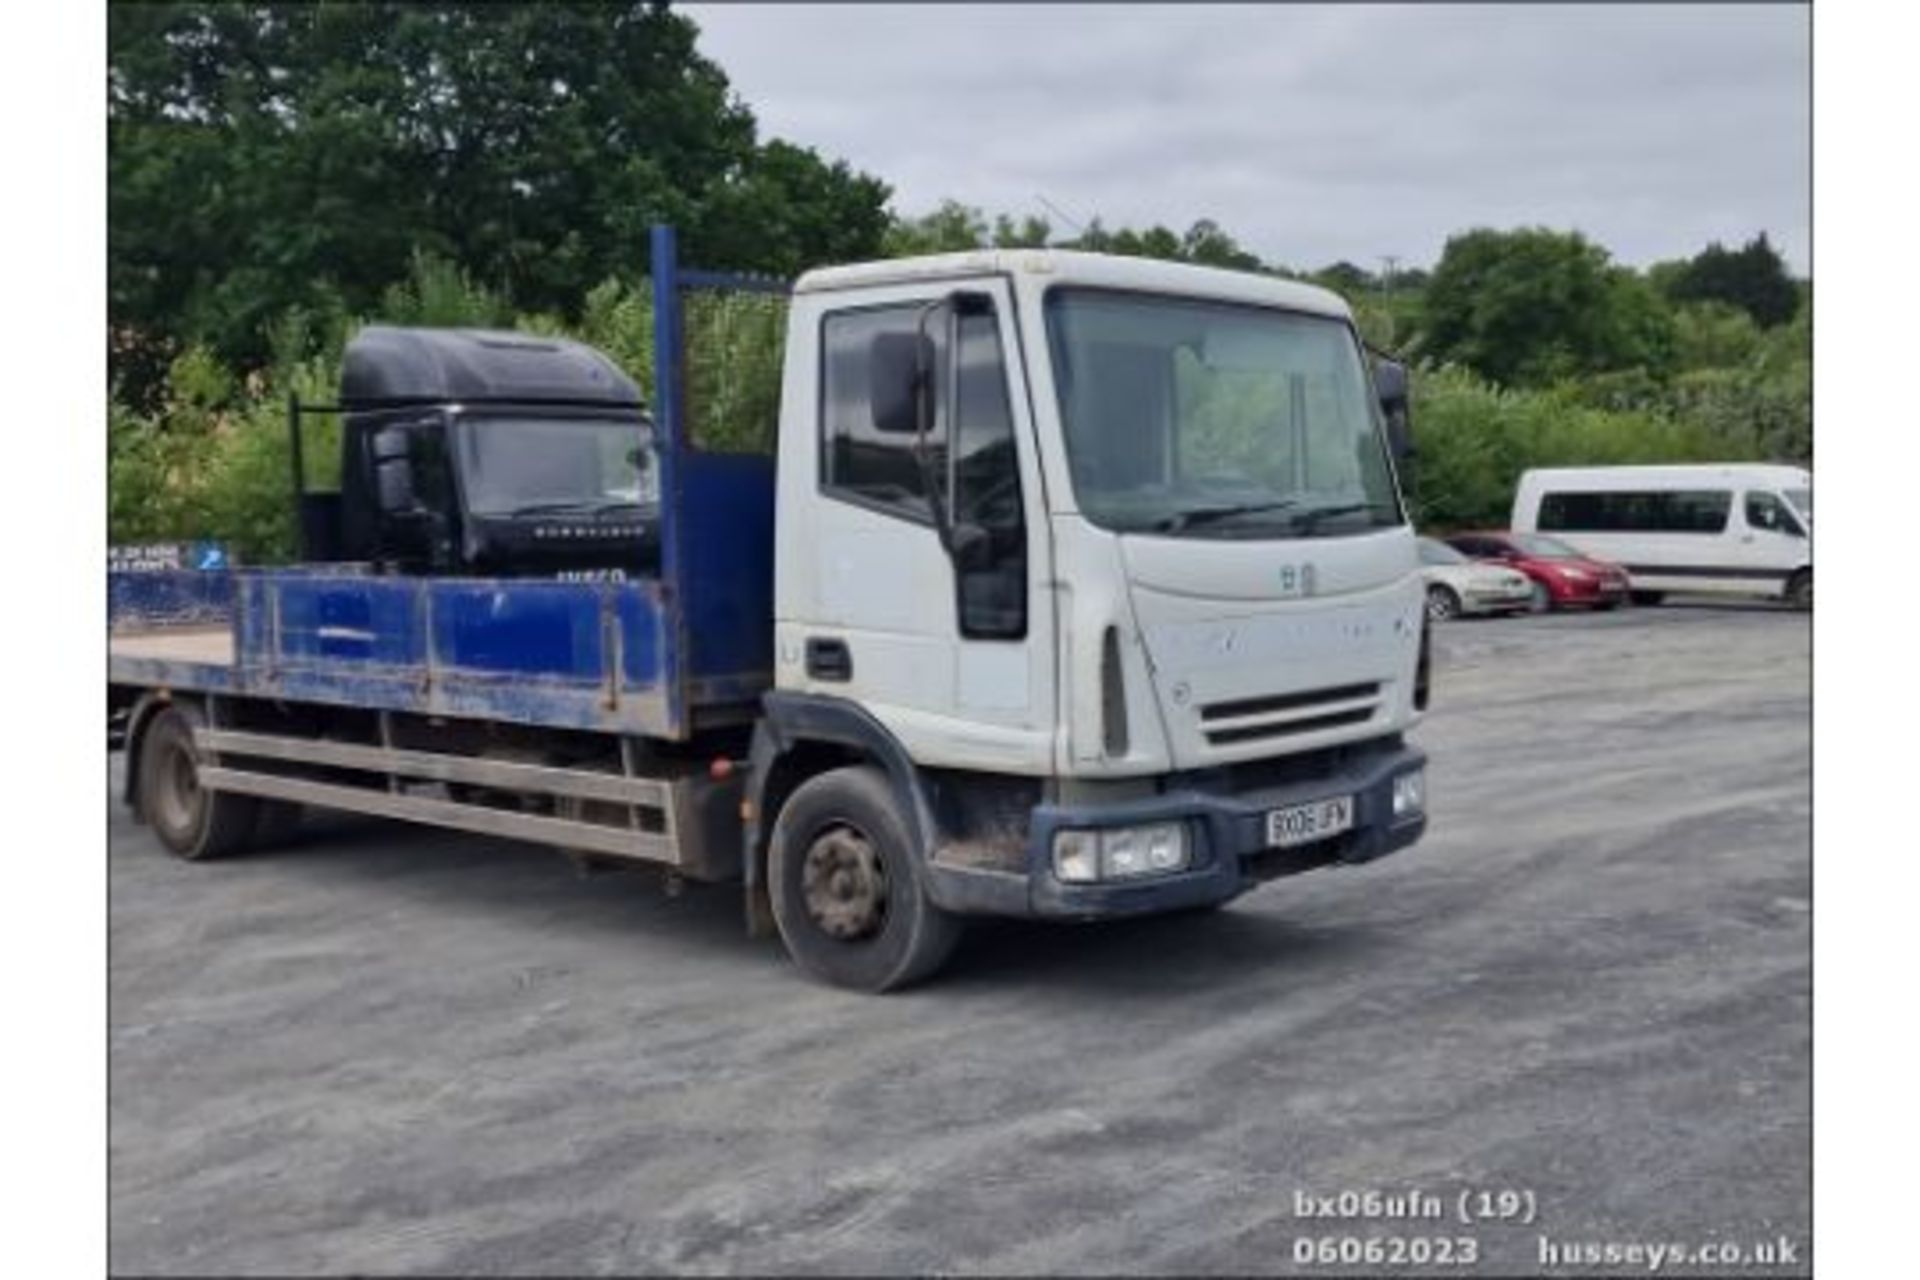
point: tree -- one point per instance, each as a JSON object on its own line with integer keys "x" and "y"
{"x": 1346, "y": 278}
{"x": 1210, "y": 246}
{"x": 267, "y": 156}
{"x": 1753, "y": 278}
{"x": 1029, "y": 233}
{"x": 1532, "y": 306}
{"x": 1714, "y": 335}
{"x": 951, "y": 228}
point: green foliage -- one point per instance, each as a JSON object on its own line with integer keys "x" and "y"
{"x": 438, "y": 293}
{"x": 1205, "y": 243}
{"x": 1029, "y": 233}
{"x": 951, "y": 228}
{"x": 1475, "y": 438}
{"x": 1533, "y": 306}
{"x": 1753, "y": 278}
{"x": 1714, "y": 335}
{"x": 1345, "y": 278}
{"x": 270, "y": 157}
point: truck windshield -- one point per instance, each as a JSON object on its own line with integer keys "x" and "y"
{"x": 526, "y": 465}
{"x": 1202, "y": 419}
{"x": 1802, "y": 500}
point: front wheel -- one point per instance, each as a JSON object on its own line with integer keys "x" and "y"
{"x": 1648, "y": 597}
{"x": 1539, "y": 600}
{"x": 1800, "y": 590}
{"x": 1442, "y": 604}
{"x": 846, "y": 888}
{"x": 190, "y": 820}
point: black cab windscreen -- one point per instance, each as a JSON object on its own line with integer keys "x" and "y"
{"x": 523, "y": 464}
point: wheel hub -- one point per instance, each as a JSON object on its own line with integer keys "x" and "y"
{"x": 844, "y": 882}
{"x": 177, "y": 803}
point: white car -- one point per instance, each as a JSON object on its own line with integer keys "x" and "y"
{"x": 1457, "y": 585}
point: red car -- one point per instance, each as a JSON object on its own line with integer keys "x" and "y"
{"x": 1561, "y": 576}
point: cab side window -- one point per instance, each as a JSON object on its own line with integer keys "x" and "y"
{"x": 857, "y": 461}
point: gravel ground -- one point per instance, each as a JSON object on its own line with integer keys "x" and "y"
{"x": 389, "y": 1050}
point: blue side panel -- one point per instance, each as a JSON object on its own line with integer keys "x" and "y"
{"x": 551, "y": 629}
{"x": 169, "y": 598}
{"x": 361, "y": 621}
{"x": 643, "y": 636}
{"x": 253, "y": 640}
{"x": 726, "y": 548}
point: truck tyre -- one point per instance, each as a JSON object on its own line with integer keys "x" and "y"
{"x": 1800, "y": 590}
{"x": 1648, "y": 597}
{"x": 846, "y": 886}
{"x": 191, "y": 821}
{"x": 1442, "y": 603}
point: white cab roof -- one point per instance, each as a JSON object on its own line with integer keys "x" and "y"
{"x": 1066, "y": 266}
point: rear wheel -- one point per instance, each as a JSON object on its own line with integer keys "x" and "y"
{"x": 846, "y": 889}
{"x": 190, "y": 820}
{"x": 1800, "y": 590}
{"x": 1442, "y": 603}
{"x": 1648, "y": 597}
{"x": 1539, "y": 599}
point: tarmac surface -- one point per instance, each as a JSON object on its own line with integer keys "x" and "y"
{"x": 382, "y": 1049}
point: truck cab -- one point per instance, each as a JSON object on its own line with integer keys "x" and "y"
{"x": 1107, "y": 558}
{"x": 490, "y": 454}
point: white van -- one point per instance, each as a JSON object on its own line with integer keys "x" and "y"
{"x": 1737, "y": 528}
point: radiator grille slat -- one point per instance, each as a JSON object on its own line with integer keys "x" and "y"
{"x": 1224, "y": 723}
{"x": 1240, "y": 708}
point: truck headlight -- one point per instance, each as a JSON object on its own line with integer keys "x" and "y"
{"x": 1120, "y": 853}
{"x": 1409, "y": 793}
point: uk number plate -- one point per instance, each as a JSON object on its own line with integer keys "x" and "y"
{"x": 1305, "y": 823}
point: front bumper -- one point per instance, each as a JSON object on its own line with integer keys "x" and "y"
{"x": 1498, "y": 601}
{"x": 1605, "y": 591}
{"x": 1227, "y": 833}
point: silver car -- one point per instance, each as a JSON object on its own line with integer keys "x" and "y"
{"x": 1457, "y": 585}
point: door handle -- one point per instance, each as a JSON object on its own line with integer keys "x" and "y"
{"x": 1746, "y": 537}
{"x": 828, "y": 658}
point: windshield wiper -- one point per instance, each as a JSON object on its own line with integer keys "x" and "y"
{"x": 1309, "y": 519}
{"x": 572, "y": 504}
{"x": 1208, "y": 515}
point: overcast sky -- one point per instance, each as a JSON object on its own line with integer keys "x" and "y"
{"x": 1311, "y": 133}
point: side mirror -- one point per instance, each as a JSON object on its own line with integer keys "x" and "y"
{"x": 1390, "y": 384}
{"x": 898, "y": 368}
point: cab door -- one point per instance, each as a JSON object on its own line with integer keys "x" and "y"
{"x": 945, "y": 637}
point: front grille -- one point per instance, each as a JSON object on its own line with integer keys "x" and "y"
{"x": 1287, "y": 714}
{"x": 1240, "y": 708}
